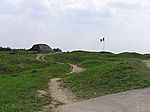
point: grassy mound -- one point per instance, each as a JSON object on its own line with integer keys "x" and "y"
{"x": 106, "y": 73}
{"x": 19, "y": 87}
{"x": 19, "y": 62}
{"x": 108, "y": 78}
{"x": 21, "y": 76}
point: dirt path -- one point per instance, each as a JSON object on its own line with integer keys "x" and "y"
{"x": 130, "y": 101}
{"x": 76, "y": 69}
{"x": 40, "y": 57}
{"x": 147, "y": 62}
{"x": 59, "y": 94}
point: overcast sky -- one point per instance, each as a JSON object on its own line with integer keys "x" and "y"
{"x": 76, "y": 24}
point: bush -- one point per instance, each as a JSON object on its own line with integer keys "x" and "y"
{"x": 57, "y": 50}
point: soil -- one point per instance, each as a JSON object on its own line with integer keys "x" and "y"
{"x": 59, "y": 95}
{"x": 147, "y": 62}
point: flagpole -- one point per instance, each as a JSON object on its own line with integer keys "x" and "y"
{"x": 102, "y": 40}
{"x": 103, "y": 45}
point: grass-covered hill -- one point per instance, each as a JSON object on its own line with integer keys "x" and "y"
{"x": 22, "y": 75}
{"x": 105, "y": 73}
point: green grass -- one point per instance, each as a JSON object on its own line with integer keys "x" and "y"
{"x": 14, "y": 63}
{"x": 106, "y": 73}
{"x": 18, "y": 89}
{"x": 108, "y": 78}
{"x": 21, "y": 76}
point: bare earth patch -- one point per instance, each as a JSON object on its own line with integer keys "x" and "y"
{"x": 76, "y": 69}
{"x": 60, "y": 95}
{"x": 42, "y": 93}
{"x": 40, "y": 57}
{"x": 147, "y": 62}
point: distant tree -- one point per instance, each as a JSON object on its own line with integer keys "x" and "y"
{"x": 57, "y": 50}
{"x": 9, "y": 49}
{"x": 5, "y": 49}
{"x": 1, "y": 48}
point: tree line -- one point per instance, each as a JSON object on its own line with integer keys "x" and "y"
{"x": 10, "y": 49}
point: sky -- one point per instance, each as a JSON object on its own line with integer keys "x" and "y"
{"x": 76, "y": 24}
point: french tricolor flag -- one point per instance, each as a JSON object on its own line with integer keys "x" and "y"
{"x": 102, "y": 39}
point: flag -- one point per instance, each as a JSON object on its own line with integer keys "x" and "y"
{"x": 102, "y": 40}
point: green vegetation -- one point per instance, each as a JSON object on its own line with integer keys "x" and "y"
{"x": 18, "y": 62}
{"x": 19, "y": 87}
{"x": 21, "y": 76}
{"x": 106, "y": 73}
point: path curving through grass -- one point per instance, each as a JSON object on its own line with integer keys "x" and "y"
{"x": 61, "y": 95}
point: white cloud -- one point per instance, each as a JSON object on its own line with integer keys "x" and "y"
{"x": 15, "y": 3}
{"x": 64, "y": 21}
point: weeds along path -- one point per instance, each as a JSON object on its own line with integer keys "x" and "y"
{"x": 59, "y": 95}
